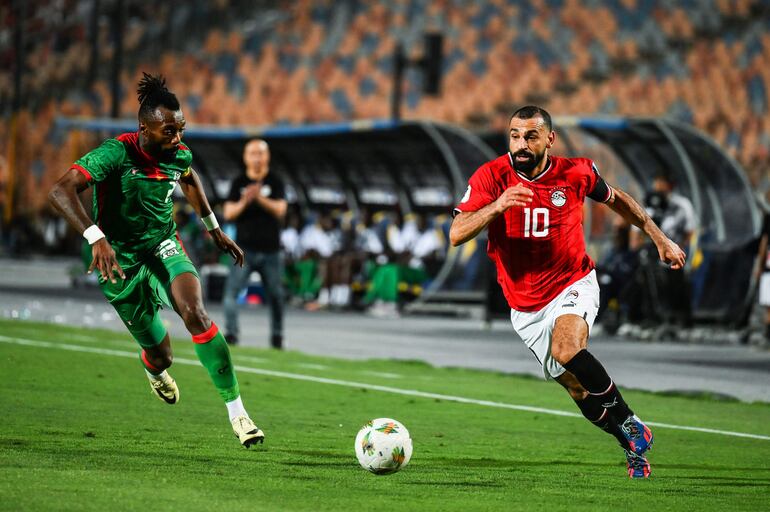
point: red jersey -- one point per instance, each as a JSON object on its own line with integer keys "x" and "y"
{"x": 538, "y": 249}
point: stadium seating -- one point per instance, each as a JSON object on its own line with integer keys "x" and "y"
{"x": 706, "y": 63}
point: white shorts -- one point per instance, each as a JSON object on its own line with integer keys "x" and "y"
{"x": 535, "y": 328}
{"x": 764, "y": 289}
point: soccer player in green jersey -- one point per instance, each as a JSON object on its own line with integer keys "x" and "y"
{"x": 141, "y": 262}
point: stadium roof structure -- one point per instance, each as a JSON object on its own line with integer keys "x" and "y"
{"x": 423, "y": 166}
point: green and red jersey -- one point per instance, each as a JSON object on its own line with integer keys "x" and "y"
{"x": 132, "y": 201}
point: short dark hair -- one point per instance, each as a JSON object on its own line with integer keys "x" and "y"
{"x": 153, "y": 93}
{"x": 531, "y": 111}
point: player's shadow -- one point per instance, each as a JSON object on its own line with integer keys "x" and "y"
{"x": 318, "y": 458}
{"x": 457, "y": 483}
{"x": 509, "y": 463}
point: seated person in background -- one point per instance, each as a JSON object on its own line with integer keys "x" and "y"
{"x": 428, "y": 248}
{"x": 412, "y": 245}
{"x": 318, "y": 241}
{"x": 382, "y": 291}
{"x": 675, "y": 215}
{"x": 365, "y": 249}
{"x": 615, "y": 273}
{"x": 336, "y": 274}
{"x": 292, "y": 252}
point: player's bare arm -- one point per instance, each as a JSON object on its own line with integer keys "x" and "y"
{"x": 193, "y": 191}
{"x": 625, "y": 206}
{"x": 63, "y": 196}
{"x": 467, "y": 225}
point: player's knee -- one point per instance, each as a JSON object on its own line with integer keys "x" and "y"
{"x": 564, "y": 351}
{"x": 195, "y": 317}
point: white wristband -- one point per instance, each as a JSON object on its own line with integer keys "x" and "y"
{"x": 210, "y": 221}
{"x": 93, "y": 234}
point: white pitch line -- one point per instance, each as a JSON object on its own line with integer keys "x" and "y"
{"x": 373, "y": 387}
{"x": 253, "y": 359}
{"x": 384, "y": 375}
{"x": 312, "y": 366}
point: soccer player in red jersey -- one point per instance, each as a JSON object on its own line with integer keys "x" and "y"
{"x": 532, "y": 204}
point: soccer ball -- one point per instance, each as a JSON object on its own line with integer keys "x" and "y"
{"x": 383, "y": 446}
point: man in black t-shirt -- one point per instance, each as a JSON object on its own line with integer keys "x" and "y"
{"x": 257, "y": 205}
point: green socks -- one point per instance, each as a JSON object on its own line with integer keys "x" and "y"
{"x": 212, "y": 351}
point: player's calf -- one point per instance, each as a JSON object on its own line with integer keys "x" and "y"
{"x": 594, "y": 378}
{"x": 591, "y": 408}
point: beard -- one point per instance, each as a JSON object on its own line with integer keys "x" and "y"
{"x": 526, "y": 166}
{"x": 167, "y": 155}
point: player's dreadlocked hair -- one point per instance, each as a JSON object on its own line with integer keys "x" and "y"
{"x": 153, "y": 93}
{"x": 531, "y": 111}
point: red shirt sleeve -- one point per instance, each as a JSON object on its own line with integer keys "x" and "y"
{"x": 480, "y": 191}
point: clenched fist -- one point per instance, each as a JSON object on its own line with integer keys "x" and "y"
{"x": 518, "y": 195}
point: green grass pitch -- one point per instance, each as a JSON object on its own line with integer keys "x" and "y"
{"x": 81, "y": 431}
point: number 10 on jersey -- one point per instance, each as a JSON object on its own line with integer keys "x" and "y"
{"x": 535, "y": 222}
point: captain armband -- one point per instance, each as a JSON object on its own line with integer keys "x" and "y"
{"x": 601, "y": 192}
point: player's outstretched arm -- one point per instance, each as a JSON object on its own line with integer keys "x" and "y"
{"x": 625, "y": 206}
{"x": 63, "y": 196}
{"x": 466, "y": 225}
{"x": 193, "y": 190}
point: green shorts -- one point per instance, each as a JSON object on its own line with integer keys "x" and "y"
{"x": 146, "y": 289}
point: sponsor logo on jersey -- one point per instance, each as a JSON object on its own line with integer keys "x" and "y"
{"x": 570, "y": 299}
{"x": 467, "y": 195}
{"x": 558, "y": 198}
{"x": 167, "y": 249}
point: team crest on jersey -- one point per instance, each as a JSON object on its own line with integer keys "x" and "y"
{"x": 266, "y": 190}
{"x": 177, "y": 174}
{"x": 558, "y": 197}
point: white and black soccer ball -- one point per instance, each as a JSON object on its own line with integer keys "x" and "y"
{"x": 383, "y": 446}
